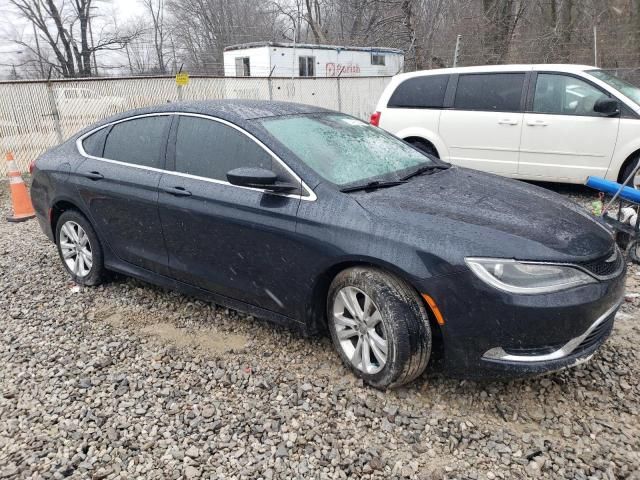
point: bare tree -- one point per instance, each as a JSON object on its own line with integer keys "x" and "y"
{"x": 156, "y": 11}
{"x": 208, "y": 26}
{"x": 313, "y": 16}
{"x": 65, "y": 28}
{"x": 501, "y": 20}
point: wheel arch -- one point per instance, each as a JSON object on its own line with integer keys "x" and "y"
{"x": 414, "y": 138}
{"x": 316, "y": 305}
{"x": 58, "y": 207}
{"x": 630, "y": 158}
{"x": 426, "y": 135}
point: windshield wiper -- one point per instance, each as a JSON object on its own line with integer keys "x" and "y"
{"x": 424, "y": 169}
{"x": 373, "y": 185}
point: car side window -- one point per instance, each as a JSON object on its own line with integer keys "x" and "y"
{"x": 94, "y": 144}
{"x": 565, "y": 95}
{"x": 139, "y": 141}
{"x": 210, "y": 149}
{"x": 420, "y": 92}
{"x": 494, "y": 92}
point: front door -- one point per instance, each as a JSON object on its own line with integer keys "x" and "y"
{"x": 563, "y": 139}
{"x": 119, "y": 186}
{"x": 482, "y": 130}
{"x": 234, "y": 241}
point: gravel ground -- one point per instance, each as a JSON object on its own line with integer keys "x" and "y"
{"x": 129, "y": 381}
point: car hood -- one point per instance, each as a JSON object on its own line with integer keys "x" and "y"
{"x": 459, "y": 212}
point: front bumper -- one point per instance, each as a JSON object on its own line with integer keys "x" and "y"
{"x": 577, "y": 344}
{"x": 492, "y": 334}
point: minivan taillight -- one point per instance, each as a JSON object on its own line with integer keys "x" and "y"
{"x": 375, "y": 119}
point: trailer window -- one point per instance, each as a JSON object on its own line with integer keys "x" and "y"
{"x": 307, "y": 66}
{"x": 377, "y": 59}
{"x": 242, "y": 67}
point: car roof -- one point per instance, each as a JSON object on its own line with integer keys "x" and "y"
{"x": 236, "y": 111}
{"x": 232, "y": 110}
{"x": 559, "y": 67}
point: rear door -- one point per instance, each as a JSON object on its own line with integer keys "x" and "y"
{"x": 234, "y": 241}
{"x": 563, "y": 139}
{"x": 482, "y": 129}
{"x": 118, "y": 183}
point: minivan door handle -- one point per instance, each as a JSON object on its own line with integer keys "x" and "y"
{"x": 177, "y": 191}
{"x": 93, "y": 175}
{"x": 508, "y": 121}
{"x": 537, "y": 123}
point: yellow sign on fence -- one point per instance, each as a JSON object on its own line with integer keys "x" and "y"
{"x": 182, "y": 79}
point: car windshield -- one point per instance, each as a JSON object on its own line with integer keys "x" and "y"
{"x": 624, "y": 87}
{"x": 344, "y": 150}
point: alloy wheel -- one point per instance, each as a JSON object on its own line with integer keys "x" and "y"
{"x": 76, "y": 249}
{"x": 360, "y": 329}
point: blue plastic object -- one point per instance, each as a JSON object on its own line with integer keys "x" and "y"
{"x": 607, "y": 186}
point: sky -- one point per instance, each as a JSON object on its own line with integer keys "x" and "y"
{"x": 12, "y": 25}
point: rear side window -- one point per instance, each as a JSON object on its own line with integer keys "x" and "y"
{"x": 139, "y": 141}
{"x": 210, "y": 149}
{"x": 420, "y": 92}
{"x": 94, "y": 144}
{"x": 499, "y": 92}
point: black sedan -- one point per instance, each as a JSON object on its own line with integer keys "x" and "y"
{"x": 316, "y": 220}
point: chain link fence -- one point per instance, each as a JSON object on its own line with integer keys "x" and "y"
{"x": 37, "y": 115}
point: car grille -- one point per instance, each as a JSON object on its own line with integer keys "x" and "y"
{"x": 597, "y": 335}
{"x": 606, "y": 266}
{"x": 533, "y": 351}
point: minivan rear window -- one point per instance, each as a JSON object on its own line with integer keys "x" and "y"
{"x": 499, "y": 92}
{"x": 420, "y": 92}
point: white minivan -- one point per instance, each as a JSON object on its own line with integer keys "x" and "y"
{"x": 558, "y": 123}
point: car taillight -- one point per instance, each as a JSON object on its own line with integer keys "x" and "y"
{"x": 32, "y": 167}
{"x": 375, "y": 119}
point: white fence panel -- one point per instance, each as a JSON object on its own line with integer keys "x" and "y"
{"x": 35, "y": 116}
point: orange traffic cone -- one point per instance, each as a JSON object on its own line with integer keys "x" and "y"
{"x": 22, "y": 207}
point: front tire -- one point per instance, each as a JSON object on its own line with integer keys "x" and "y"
{"x": 634, "y": 251}
{"x": 80, "y": 249}
{"x": 635, "y": 181}
{"x": 380, "y": 327}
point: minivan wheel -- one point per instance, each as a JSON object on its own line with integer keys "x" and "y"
{"x": 79, "y": 248}
{"x": 425, "y": 146}
{"x": 635, "y": 181}
{"x": 634, "y": 251}
{"x": 379, "y": 326}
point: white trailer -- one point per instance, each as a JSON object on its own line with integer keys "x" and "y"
{"x": 264, "y": 59}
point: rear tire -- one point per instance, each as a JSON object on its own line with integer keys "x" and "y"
{"x": 424, "y": 146}
{"x": 80, "y": 249}
{"x": 379, "y": 326}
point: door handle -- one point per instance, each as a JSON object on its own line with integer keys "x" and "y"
{"x": 177, "y": 191}
{"x": 508, "y": 121}
{"x": 93, "y": 175}
{"x": 537, "y": 123}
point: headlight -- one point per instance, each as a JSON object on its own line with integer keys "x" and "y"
{"x": 527, "y": 278}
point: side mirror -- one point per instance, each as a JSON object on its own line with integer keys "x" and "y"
{"x": 607, "y": 107}
{"x": 258, "y": 178}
